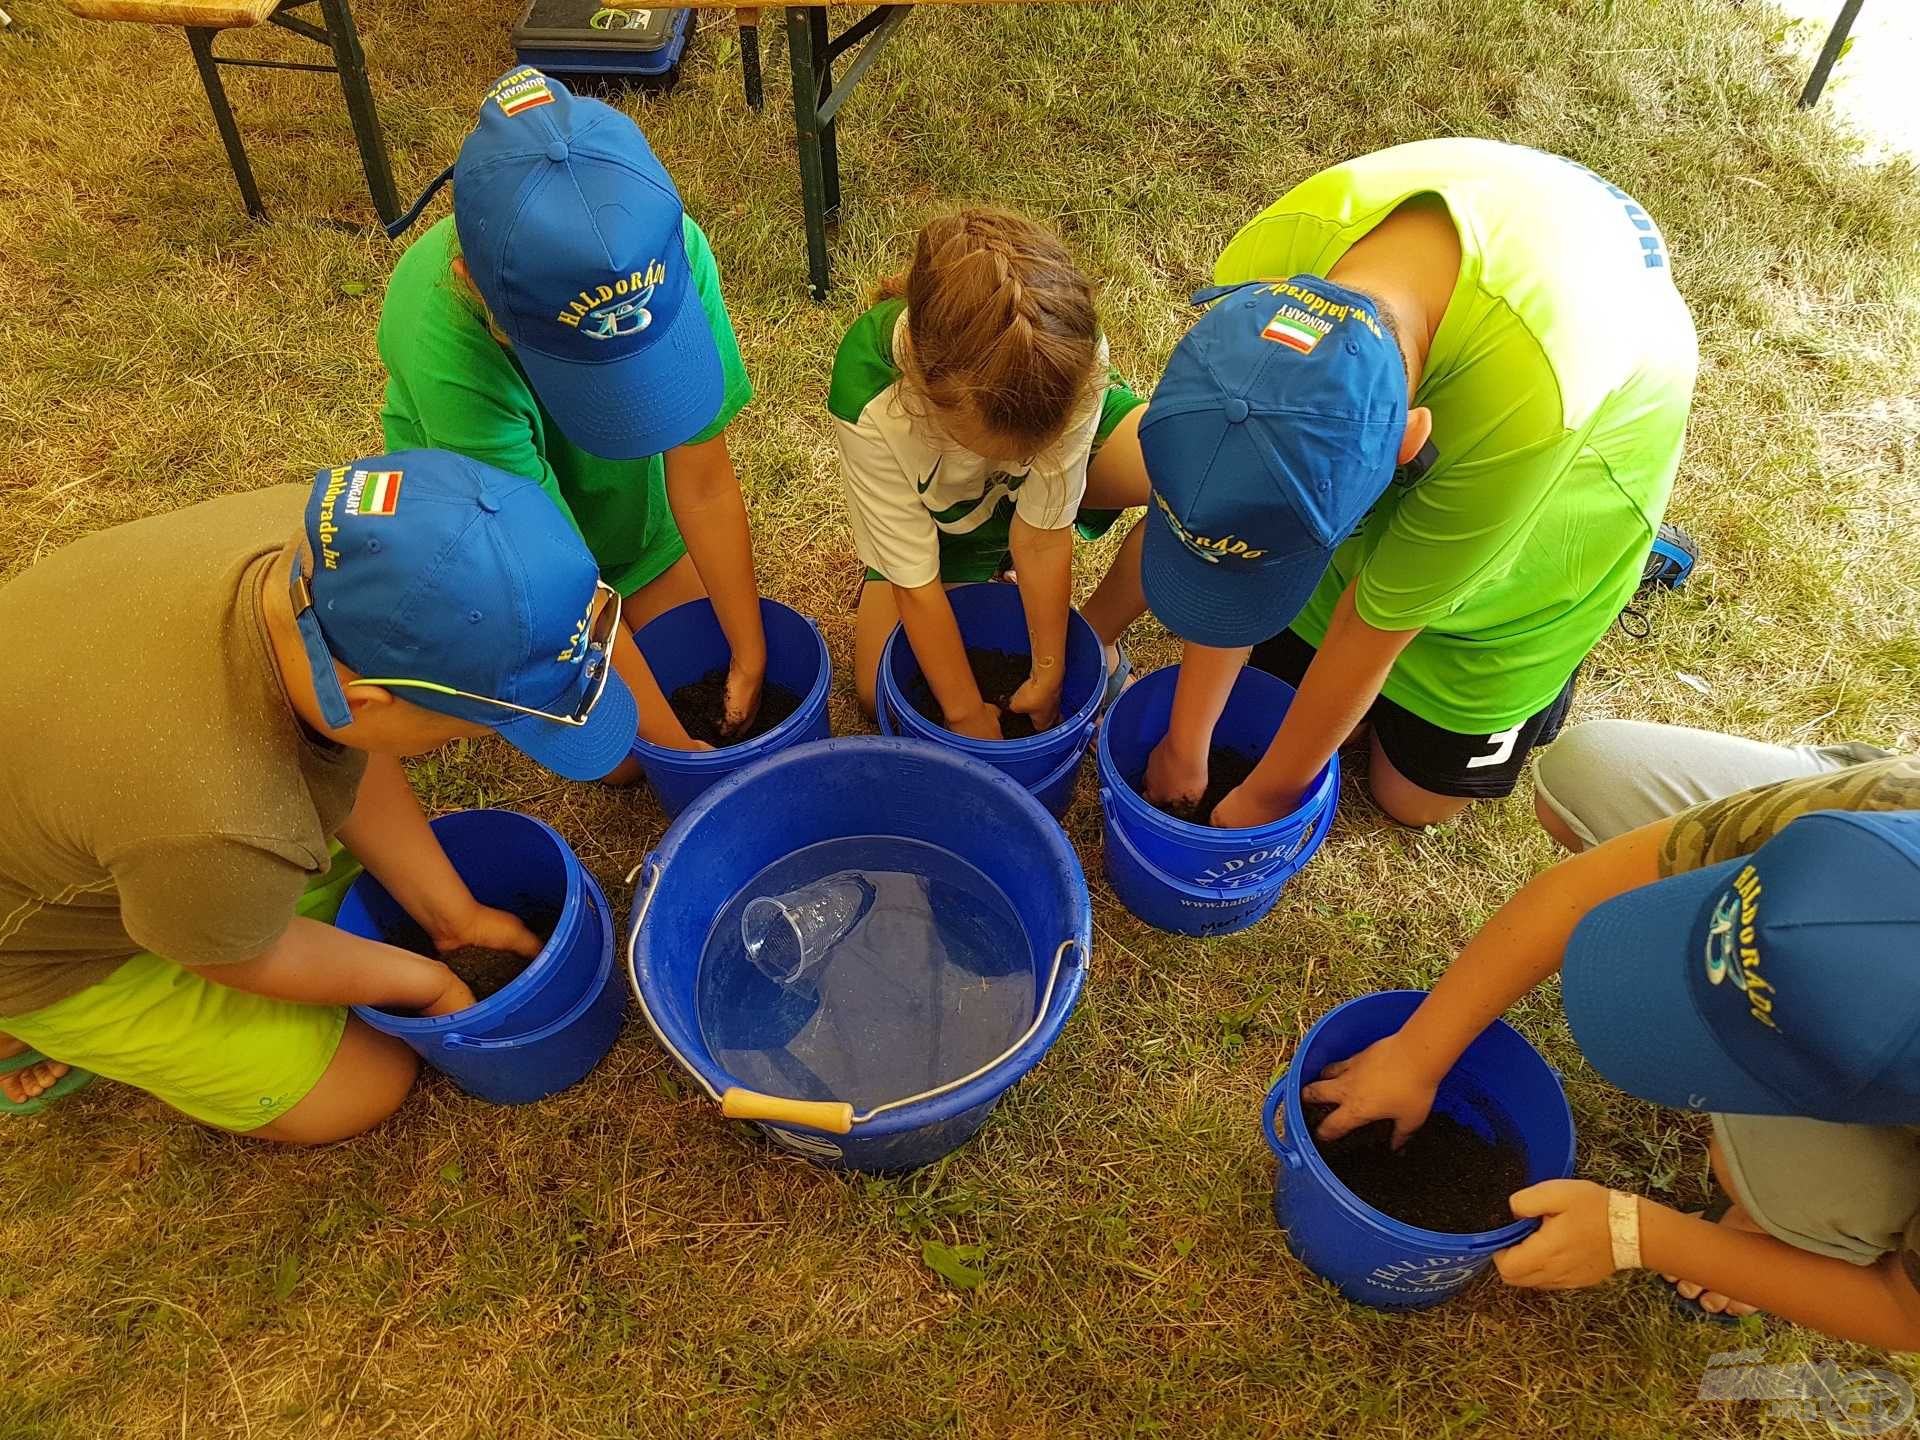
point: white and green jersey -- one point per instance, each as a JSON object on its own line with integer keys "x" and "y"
{"x": 907, "y": 486}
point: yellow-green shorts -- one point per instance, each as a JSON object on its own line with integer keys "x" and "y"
{"x": 223, "y": 1056}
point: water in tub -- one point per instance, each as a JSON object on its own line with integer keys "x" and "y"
{"x": 905, "y": 968}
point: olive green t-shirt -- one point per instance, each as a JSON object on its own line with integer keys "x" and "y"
{"x": 156, "y": 791}
{"x": 1559, "y": 381}
{"x": 452, "y": 386}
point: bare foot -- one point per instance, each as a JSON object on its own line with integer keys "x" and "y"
{"x": 20, "y": 1086}
{"x": 1712, "y": 1301}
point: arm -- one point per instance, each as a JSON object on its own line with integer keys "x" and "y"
{"x": 388, "y": 834}
{"x": 316, "y": 964}
{"x": 1525, "y": 941}
{"x": 1177, "y": 769}
{"x": 1043, "y": 559}
{"x": 658, "y": 724}
{"x": 935, "y": 637}
{"x": 1335, "y": 694}
{"x": 1871, "y": 1304}
{"x": 704, "y": 494}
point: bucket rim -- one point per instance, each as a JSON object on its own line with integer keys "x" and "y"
{"x": 1001, "y": 1077}
{"x": 497, "y": 1005}
{"x": 1323, "y": 792}
{"x": 1286, "y": 1090}
{"x": 589, "y": 997}
{"x": 991, "y": 751}
{"x": 729, "y": 757}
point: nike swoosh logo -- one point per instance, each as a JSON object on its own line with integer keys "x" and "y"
{"x": 927, "y": 484}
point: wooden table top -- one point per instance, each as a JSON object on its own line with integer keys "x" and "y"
{"x": 208, "y": 14}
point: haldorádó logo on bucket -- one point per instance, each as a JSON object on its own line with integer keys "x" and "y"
{"x": 1777, "y": 984}
{"x": 1274, "y": 430}
{"x": 575, "y": 237}
{"x": 474, "y": 597}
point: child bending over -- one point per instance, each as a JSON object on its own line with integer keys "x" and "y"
{"x": 973, "y": 404}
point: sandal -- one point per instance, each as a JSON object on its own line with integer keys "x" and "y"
{"x": 68, "y": 1083}
{"x": 1692, "y": 1309}
{"x": 1118, "y": 677}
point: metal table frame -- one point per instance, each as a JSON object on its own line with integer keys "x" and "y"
{"x": 1829, "y": 53}
{"x": 336, "y": 31}
{"x": 817, "y": 99}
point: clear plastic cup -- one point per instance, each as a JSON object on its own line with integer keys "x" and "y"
{"x": 788, "y": 935}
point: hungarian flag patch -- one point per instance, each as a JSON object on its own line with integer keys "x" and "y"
{"x": 1295, "y": 329}
{"x": 374, "y": 492}
{"x": 523, "y": 92}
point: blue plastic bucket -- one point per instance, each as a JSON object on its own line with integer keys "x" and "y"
{"x": 1500, "y": 1086}
{"x": 555, "y": 1020}
{"x": 687, "y": 643}
{"x": 1189, "y": 878}
{"x": 830, "y": 790}
{"x": 991, "y": 616}
{"x": 1165, "y": 903}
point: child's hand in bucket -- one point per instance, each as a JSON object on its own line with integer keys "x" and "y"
{"x": 743, "y": 697}
{"x": 1380, "y": 1083}
{"x": 982, "y": 724}
{"x": 1039, "y": 701}
{"x": 456, "y": 996}
{"x": 1175, "y": 777}
{"x": 1238, "y": 810}
{"x": 490, "y": 929}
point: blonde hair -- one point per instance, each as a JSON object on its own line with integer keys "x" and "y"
{"x": 1000, "y": 322}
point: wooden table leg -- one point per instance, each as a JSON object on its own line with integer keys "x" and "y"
{"x": 807, "y": 76}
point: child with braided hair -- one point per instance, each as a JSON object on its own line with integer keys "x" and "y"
{"x": 973, "y": 403}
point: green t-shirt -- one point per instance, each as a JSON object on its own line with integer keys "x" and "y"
{"x": 1559, "y": 381}
{"x": 452, "y": 386}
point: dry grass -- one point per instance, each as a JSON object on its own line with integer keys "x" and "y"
{"x": 616, "y": 1262}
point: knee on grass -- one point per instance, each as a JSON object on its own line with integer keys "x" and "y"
{"x": 1405, "y": 802}
{"x": 1577, "y": 772}
{"x": 367, "y": 1081}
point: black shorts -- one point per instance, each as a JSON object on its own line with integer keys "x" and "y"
{"x": 1472, "y": 767}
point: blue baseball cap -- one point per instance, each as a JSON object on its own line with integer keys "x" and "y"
{"x": 431, "y": 568}
{"x": 572, "y": 232}
{"x": 1786, "y": 983}
{"x": 1273, "y": 431}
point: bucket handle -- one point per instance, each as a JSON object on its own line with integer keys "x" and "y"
{"x": 1281, "y": 1145}
{"x": 838, "y": 1117}
{"x": 834, "y": 1117}
{"x": 650, "y": 887}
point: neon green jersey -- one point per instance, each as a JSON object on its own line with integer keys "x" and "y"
{"x": 1559, "y": 381}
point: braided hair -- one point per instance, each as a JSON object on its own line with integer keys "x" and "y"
{"x": 1000, "y": 323}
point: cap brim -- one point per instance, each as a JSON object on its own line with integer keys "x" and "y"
{"x": 1222, "y": 605}
{"x": 1631, "y": 1008}
{"x": 644, "y": 405}
{"x": 580, "y": 752}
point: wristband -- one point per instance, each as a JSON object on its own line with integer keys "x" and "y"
{"x": 1623, "y": 1228}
